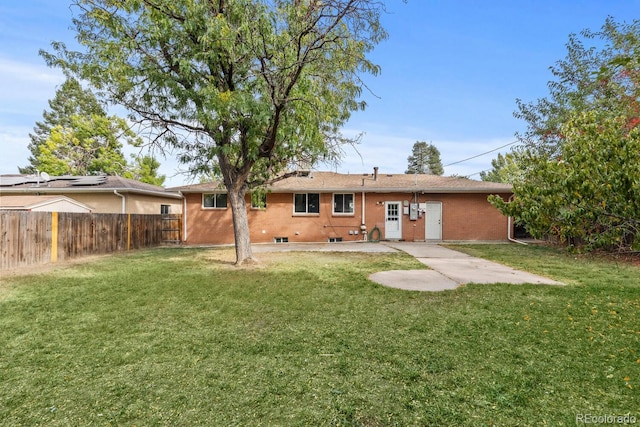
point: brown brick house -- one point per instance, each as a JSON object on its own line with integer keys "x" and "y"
{"x": 326, "y": 206}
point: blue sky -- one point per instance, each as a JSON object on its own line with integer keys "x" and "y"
{"x": 451, "y": 74}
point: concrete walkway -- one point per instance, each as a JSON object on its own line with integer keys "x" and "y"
{"x": 450, "y": 269}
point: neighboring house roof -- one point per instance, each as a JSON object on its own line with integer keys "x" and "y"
{"x": 378, "y": 183}
{"x": 42, "y": 203}
{"x": 79, "y": 184}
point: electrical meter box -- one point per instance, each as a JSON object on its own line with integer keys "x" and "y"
{"x": 413, "y": 211}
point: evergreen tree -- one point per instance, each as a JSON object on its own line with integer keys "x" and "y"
{"x": 70, "y": 100}
{"x": 76, "y": 137}
{"x": 425, "y": 159}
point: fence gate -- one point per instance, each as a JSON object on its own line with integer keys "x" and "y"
{"x": 171, "y": 229}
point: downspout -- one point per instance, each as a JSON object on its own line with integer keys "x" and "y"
{"x": 509, "y": 220}
{"x": 184, "y": 217}
{"x": 363, "y": 225}
{"x": 123, "y": 200}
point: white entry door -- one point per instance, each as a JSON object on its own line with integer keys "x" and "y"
{"x": 392, "y": 221}
{"x": 433, "y": 224}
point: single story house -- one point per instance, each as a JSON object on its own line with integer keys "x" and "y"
{"x": 103, "y": 194}
{"x": 42, "y": 204}
{"x": 325, "y": 207}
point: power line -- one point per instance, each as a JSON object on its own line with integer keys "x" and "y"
{"x": 476, "y": 173}
{"x": 480, "y": 155}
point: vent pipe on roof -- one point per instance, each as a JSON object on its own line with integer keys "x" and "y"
{"x": 375, "y": 173}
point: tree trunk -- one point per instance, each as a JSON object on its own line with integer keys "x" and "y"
{"x": 244, "y": 253}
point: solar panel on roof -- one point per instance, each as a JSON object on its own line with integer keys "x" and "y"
{"x": 7, "y": 181}
{"x": 89, "y": 180}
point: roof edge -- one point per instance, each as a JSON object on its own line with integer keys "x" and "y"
{"x": 58, "y": 190}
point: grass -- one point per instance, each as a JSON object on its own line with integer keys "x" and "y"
{"x": 181, "y": 337}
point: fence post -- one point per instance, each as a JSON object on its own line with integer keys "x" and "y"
{"x": 128, "y": 232}
{"x": 54, "y": 236}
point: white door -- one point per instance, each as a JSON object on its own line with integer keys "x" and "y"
{"x": 392, "y": 221}
{"x": 433, "y": 224}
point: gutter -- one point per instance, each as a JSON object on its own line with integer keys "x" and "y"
{"x": 124, "y": 200}
{"x": 93, "y": 190}
{"x": 412, "y": 190}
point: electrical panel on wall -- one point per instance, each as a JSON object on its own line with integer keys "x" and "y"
{"x": 413, "y": 211}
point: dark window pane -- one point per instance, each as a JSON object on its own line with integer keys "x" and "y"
{"x": 300, "y": 203}
{"x": 314, "y": 203}
{"x": 221, "y": 200}
{"x": 208, "y": 201}
{"x": 348, "y": 203}
{"x": 338, "y": 203}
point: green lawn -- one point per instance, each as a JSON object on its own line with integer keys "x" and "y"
{"x": 181, "y": 337}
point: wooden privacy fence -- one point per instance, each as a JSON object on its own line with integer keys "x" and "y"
{"x": 28, "y": 238}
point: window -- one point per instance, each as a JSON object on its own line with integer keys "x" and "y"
{"x": 281, "y": 240}
{"x": 306, "y": 203}
{"x": 343, "y": 203}
{"x": 165, "y": 209}
{"x": 214, "y": 200}
{"x": 258, "y": 200}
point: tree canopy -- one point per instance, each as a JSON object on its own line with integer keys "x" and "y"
{"x": 247, "y": 86}
{"x": 70, "y": 100}
{"x": 424, "y": 159}
{"x": 145, "y": 169}
{"x": 581, "y": 152}
{"x": 90, "y": 145}
{"x": 77, "y": 137}
{"x": 504, "y": 169}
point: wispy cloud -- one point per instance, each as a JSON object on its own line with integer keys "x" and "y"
{"x": 22, "y": 83}
{"x": 13, "y": 142}
{"x": 35, "y": 73}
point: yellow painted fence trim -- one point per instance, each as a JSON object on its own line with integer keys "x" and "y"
{"x": 54, "y": 236}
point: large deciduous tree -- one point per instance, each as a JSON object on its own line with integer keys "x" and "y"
{"x": 87, "y": 146}
{"x": 146, "y": 169}
{"x": 244, "y": 86}
{"x": 581, "y": 152}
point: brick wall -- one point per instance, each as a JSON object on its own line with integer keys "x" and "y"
{"x": 464, "y": 217}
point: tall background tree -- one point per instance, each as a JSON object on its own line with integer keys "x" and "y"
{"x": 424, "y": 159}
{"x": 580, "y": 154}
{"x": 89, "y": 145}
{"x": 504, "y": 169}
{"x": 70, "y": 100}
{"x": 145, "y": 169}
{"x": 245, "y": 86}
{"x": 77, "y": 137}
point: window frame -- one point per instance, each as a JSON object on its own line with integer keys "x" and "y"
{"x": 343, "y": 213}
{"x": 306, "y": 203}
{"x": 263, "y": 201}
{"x": 216, "y": 200}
